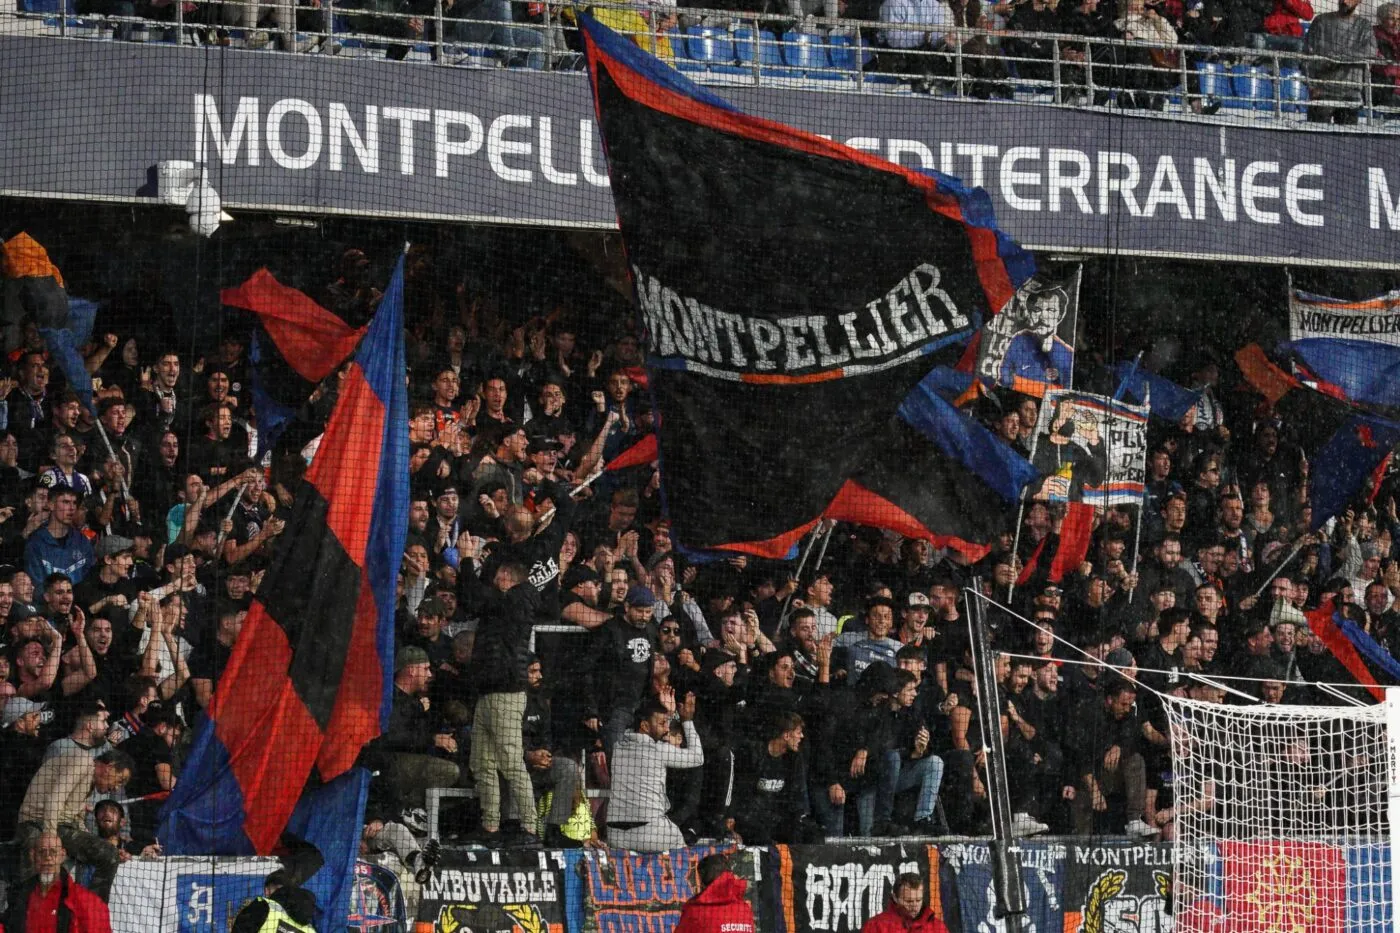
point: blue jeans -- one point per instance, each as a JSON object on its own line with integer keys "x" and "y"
{"x": 497, "y": 30}
{"x": 833, "y": 817}
{"x": 900, "y": 775}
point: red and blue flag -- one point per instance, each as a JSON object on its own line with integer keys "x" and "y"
{"x": 310, "y": 678}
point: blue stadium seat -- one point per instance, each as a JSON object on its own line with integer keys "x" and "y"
{"x": 1212, "y": 80}
{"x": 1254, "y": 86}
{"x": 680, "y": 52}
{"x": 805, "y": 52}
{"x": 710, "y": 44}
{"x": 770, "y": 59}
{"x": 1293, "y": 89}
{"x": 842, "y": 51}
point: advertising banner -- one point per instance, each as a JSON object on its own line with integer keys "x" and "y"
{"x": 627, "y": 893}
{"x": 1042, "y": 878}
{"x": 388, "y": 139}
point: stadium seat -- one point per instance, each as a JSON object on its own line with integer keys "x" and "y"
{"x": 1212, "y": 80}
{"x": 842, "y": 51}
{"x": 1293, "y": 89}
{"x": 770, "y": 59}
{"x": 806, "y": 53}
{"x": 680, "y": 53}
{"x": 1254, "y": 87}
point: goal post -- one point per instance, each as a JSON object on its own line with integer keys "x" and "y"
{"x": 1285, "y": 816}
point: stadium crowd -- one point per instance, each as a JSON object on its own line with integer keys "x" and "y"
{"x": 1246, "y": 32}
{"x": 727, "y": 698}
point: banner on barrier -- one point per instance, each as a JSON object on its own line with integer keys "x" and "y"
{"x": 1118, "y": 887}
{"x": 184, "y": 895}
{"x": 1042, "y": 878}
{"x": 645, "y": 893}
{"x": 376, "y": 901}
{"x": 495, "y": 892}
{"x": 836, "y": 889}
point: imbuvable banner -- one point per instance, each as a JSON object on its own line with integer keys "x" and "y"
{"x": 836, "y": 889}
{"x": 504, "y": 891}
{"x": 1118, "y": 886}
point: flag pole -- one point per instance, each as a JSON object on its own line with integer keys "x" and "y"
{"x": 126, "y": 490}
{"x": 1016, "y": 548}
{"x": 1302, "y": 542}
{"x": 1142, "y": 503}
{"x": 228, "y": 516}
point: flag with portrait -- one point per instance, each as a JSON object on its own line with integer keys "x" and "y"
{"x": 1090, "y": 449}
{"x": 1029, "y": 345}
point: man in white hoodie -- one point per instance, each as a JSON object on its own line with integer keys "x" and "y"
{"x": 637, "y": 810}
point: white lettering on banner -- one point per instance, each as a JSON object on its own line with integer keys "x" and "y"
{"x": 977, "y": 152}
{"x": 552, "y": 174}
{"x": 887, "y": 331}
{"x": 245, "y": 124}
{"x": 842, "y": 897}
{"x": 586, "y": 147}
{"x": 275, "y": 116}
{"x": 1153, "y": 856}
{"x": 1378, "y": 324}
{"x": 1011, "y": 177}
{"x": 406, "y": 117}
{"x": 1166, "y": 189}
{"x": 1378, "y": 199}
{"x": 498, "y": 147}
{"x": 366, "y": 147}
{"x": 1251, "y": 191}
{"x": 1294, "y": 194}
{"x": 1075, "y": 183}
{"x": 201, "y": 904}
{"x": 499, "y": 887}
{"x": 897, "y": 148}
{"x": 1123, "y": 184}
{"x": 445, "y": 146}
{"x": 1222, "y": 188}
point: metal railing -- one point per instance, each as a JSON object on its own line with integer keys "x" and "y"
{"x": 724, "y": 47}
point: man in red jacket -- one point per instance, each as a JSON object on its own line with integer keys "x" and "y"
{"x": 51, "y": 900}
{"x": 721, "y": 906}
{"x": 906, "y": 913}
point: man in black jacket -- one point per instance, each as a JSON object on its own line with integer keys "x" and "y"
{"x": 770, "y": 786}
{"x": 500, "y": 665}
{"x": 622, "y": 661}
{"x": 410, "y": 744}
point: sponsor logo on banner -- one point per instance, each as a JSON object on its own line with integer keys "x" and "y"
{"x": 836, "y": 889}
{"x": 495, "y": 892}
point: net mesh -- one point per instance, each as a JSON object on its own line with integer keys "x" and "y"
{"x": 205, "y": 205}
{"x": 1281, "y": 815}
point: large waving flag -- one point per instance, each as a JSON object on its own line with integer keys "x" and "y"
{"x": 1353, "y": 345}
{"x": 794, "y": 291}
{"x": 1348, "y": 643}
{"x": 310, "y": 678}
{"x": 1347, "y": 444}
{"x": 1170, "y": 401}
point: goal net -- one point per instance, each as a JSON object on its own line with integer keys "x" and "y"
{"x": 1283, "y": 817}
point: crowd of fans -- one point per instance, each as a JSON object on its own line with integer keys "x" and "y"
{"x": 1246, "y": 32}
{"x": 714, "y": 699}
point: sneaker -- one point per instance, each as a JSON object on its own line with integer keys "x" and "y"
{"x": 257, "y": 39}
{"x": 1023, "y": 824}
{"x": 415, "y": 818}
{"x": 1139, "y": 828}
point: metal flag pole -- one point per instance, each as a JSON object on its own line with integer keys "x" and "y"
{"x": 1006, "y": 862}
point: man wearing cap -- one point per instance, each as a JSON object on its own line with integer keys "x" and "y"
{"x": 21, "y": 754}
{"x": 109, "y": 592}
{"x": 445, "y": 525}
{"x": 543, "y": 453}
{"x": 582, "y": 588}
{"x": 408, "y": 747}
{"x": 913, "y": 620}
{"x": 500, "y": 669}
{"x": 622, "y": 663}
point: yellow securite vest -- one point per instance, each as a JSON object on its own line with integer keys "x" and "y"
{"x": 279, "y": 921}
